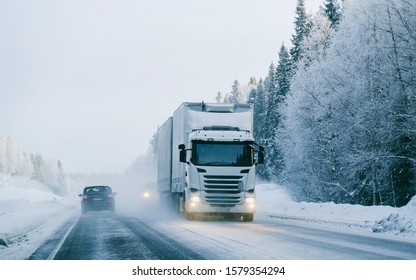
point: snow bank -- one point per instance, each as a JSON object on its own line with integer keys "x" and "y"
{"x": 276, "y": 203}
{"x": 400, "y": 223}
{"x": 29, "y": 213}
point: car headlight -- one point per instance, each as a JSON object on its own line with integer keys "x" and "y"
{"x": 146, "y": 194}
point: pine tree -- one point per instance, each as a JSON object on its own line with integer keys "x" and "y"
{"x": 252, "y": 82}
{"x": 302, "y": 28}
{"x": 61, "y": 180}
{"x": 284, "y": 71}
{"x": 260, "y": 129}
{"x": 226, "y": 98}
{"x": 260, "y": 113}
{"x": 252, "y": 94}
{"x": 235, "y": 94}
{"x": 153, "y": 143}
{"x": 271, "y": 92}
{"x": 277, "y": 93}
{"x": 271, "y": 121}
{"x": 219, "y": 98}
{"x": 38, "y": 167}
{"x": 332, "y": 10}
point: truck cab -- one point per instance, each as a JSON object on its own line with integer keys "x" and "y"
{"x": 220, "y": 172}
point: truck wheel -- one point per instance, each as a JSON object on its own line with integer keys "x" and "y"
{"x": 248, "y": 217}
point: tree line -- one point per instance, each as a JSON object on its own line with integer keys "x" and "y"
{"x": 15, "y": 162}
{"x": 337, "y": 112}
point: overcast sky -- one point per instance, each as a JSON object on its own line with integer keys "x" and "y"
{"x": 89, "y": 81}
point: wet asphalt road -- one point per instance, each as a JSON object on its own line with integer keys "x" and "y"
{"x": 105, "y": 236}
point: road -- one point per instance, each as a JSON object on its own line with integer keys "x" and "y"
{"x": 106, "y": 236}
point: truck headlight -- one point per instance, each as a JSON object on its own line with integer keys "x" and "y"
{"x": 195, "y": 199}
{"x": 250, "y": 203}
{"x": 250, "y": 200}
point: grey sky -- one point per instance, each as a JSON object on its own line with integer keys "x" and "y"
{"x": 89, "y": 81}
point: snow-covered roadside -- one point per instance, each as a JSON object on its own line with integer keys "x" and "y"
{"x": 29, "y": 214}
{"x": 274, "y": 202}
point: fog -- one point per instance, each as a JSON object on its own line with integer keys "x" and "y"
{"x": 89, "y": 82}
{"x": 136, "y": 189}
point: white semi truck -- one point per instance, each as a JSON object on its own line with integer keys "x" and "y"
{"x": 207, "y": 158}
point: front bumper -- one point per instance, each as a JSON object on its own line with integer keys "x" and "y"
{"x": 200, "y": 207}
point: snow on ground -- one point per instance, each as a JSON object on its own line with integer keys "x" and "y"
{"x": 29, "y": 214}
{"x": 401, "y": 222}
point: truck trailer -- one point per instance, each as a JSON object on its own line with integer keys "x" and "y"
{"x": 207, "y": 159}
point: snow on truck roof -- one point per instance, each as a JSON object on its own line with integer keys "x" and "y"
{"x": 239, "y": 117}
{"x": 217, "y": 107}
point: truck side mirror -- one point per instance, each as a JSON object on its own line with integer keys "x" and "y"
{"x": 182, "y": 153}
{"x": 260, "y": 158}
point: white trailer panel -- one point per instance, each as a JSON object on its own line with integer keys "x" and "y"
{"x": 164, "y": 156}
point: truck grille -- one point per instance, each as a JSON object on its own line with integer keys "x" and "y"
{"x": 222, "y": 190}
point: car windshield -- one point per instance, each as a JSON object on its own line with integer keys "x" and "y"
{"x": 222, "y": 153}
{"x": 97, "y": 190}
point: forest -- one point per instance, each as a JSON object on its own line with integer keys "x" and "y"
{"x": 15, "y": 162}
{"x": 337, "y": 111}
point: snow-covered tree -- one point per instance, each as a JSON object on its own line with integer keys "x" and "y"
{"x": 13, "y": 160}
{"x": 259, "y": 120}
{"x": 252, "y": 90}
{"x": 348, "y": 130}
{"x": 219, "y": 97}
{"x": 3, "y": 157}
{"x": 271, "y": 90}
{"x": 153, "y": 148}
{"x": 226, "y": 98}
{"x": 235, "y": 94}
{"x": 315, "y": 45}
{"x": 284, "y": 71}
{"x": 50, "y": 172}
{"x": 302, "y": 28}
{"x": 333, "y": 11}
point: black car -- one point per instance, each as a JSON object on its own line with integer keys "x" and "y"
{"x": 97, "y": 198}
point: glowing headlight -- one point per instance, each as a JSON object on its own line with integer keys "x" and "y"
{"x": 146, "y": 195}
{"x": 195, "y": 199}
{"x": 250, "y": 200}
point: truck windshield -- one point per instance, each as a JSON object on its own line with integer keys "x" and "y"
{"x": 222, "y": 153}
